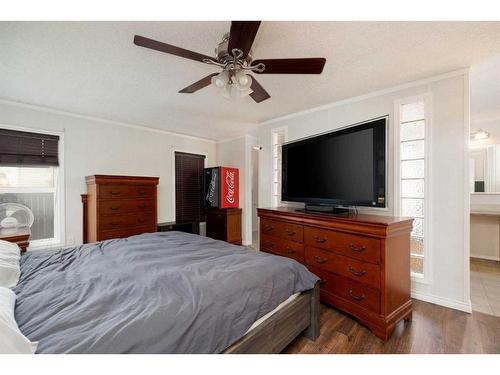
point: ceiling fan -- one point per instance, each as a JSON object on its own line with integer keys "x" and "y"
{"x": 234, "y": 56}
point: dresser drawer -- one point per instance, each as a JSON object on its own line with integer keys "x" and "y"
{"x": 125, "y": 206}
{"x": 126, "y": 220}
{"x": 365, "y": 272}
{"x": 121, "y": 233}
{"x": 125, "y": 191}
{"x": 347, "y": 289}
{"x": 287, "y": 231}
{"x": 285, "y": 248}
{"x": 363, "y": 248}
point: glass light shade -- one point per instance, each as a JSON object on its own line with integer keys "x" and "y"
{"x": 233, "y": 92}
{"x": 243, "y": 81}
{"x": 220, "y": 80}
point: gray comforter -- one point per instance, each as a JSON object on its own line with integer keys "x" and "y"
{"x": 165, "y": 292}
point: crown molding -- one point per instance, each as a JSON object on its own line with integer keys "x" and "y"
{"x": 98, "y": 119}
{"x": 231, "y": 139}
{"x": 455, "y": 73}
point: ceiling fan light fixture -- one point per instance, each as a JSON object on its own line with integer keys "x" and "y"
{"x": 220, "y": 80}
{"x": 243, "y": 81}
{"x": 232, "y": 92}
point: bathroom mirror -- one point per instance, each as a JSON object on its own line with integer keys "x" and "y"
{"x": 484, "y": 166}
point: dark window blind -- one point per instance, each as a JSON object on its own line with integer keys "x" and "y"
{"x": 189, "y": 187}
{"x": 23, "y": 149}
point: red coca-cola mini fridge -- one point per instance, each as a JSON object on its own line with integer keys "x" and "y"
{"x": 221, "y": 187}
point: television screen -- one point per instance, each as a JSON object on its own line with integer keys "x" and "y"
{"x": 344, "y": 167}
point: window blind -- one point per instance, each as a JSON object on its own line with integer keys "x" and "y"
{"x": 18, "y": 149}
{"x": 189, "y": 187}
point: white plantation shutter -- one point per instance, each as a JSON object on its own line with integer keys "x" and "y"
{"x": 412, "y": 156}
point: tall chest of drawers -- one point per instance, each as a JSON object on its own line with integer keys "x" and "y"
{"x": 119, "y": 206}
{"x": 363, "y": 261}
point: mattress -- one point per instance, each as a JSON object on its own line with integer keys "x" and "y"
{"x": 258, "y": 322}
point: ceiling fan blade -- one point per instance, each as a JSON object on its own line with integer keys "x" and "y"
{"x": 312, "y": 65}
{"x": 242, "y": 35}
{"x": 204, "y": 82}
{"x": 258, "y": 94}
{"x": 168, "y": 48}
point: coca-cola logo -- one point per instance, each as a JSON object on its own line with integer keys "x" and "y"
{"x": 230, "y": 186}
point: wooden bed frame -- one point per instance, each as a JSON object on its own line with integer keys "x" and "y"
{"x": 280, "y": 329}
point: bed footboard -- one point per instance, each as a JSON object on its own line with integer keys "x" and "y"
{"x": 279, "y": 330}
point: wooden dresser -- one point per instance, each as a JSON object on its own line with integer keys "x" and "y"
{"x": 224, "y": 224}
{"x": 363, "y": 261}
{"x": 118, "y": 206}
{"x": 19, "y": 236}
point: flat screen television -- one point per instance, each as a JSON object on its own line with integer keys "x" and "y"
{"x": 346, "y": 167}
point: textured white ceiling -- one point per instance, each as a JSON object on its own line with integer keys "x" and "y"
{"x": 485, "y": 92}
{"x": 93, "y": 68}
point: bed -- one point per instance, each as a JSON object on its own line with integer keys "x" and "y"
{"x": 169, "y": 292}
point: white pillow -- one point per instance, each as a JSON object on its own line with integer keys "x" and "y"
{"x": 10, "y": 270}
{"x": 12, "y": 341}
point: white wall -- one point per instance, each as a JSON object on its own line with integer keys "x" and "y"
{"x": 97, "y": 147}
{"x": 448, "y": 275}
{"x": 236, "y": 153}
{"x": 485, "y": 236}
{"x": 485, "y": 226}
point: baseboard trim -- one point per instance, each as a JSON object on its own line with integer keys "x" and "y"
{"x": 446, "y": 302}
{"x": 486, "y": 257}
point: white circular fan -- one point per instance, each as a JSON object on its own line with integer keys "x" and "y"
{"x": 15, "y": 215}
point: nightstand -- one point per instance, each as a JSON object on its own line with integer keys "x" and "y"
{"x": 224, "y": 224}
{"x": 20, "y": 236}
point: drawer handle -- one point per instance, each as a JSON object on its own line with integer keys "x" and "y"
{"x": 268, "y": 243}
{"x": 141, "y": 220}
{"x": 290, "y": 251}
{"x": 268, "y": 228}
{"x": 359, "y": 249}
{"x": 357, "y": 273}
{"x": 320, "y": 239}
{"x": 115, "y": 208}
{"x": 320, "y": 260}
{"x": 114, "y": 192}
{"x": 290, "y": 232}
{"x": 114, "y": 224}
{"x": 357, "y": 298}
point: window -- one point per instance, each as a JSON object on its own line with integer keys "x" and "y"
{"x": 413, "y": 177}
{"x": 29, "y": 175}
{"x": 278, "y": 138}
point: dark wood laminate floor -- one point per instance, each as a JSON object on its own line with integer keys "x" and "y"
{"x": 434, "y": 329}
